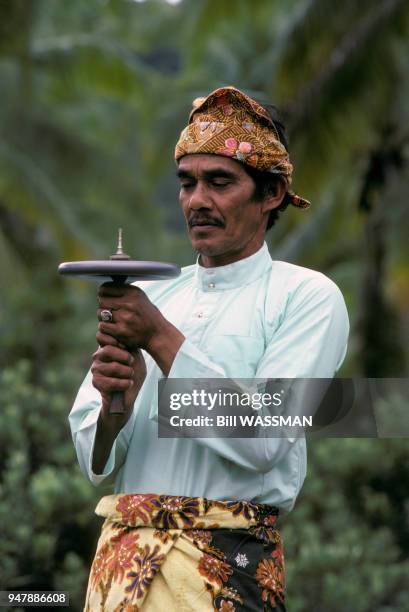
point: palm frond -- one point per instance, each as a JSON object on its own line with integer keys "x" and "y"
{"x": 57, "y": 204}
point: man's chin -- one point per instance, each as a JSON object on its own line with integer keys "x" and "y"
{"x": 206, "y": 247}
{"x": 206, "y": 239}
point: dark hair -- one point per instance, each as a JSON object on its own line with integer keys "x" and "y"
{"x": 265, "y": 182}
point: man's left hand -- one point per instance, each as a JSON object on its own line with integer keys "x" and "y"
{"x": 137, "y": 323}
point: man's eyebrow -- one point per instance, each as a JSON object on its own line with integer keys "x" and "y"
{"x": 208, "y": 174}
{"x": 184, "y": 174}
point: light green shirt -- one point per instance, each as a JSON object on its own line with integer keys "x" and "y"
{"x": 253, "y": 318}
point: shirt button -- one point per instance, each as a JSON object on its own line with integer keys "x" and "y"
{"x": 200, "y": 315}
{"x": 211, "y": 285}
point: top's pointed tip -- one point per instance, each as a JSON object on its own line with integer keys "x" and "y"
{"x": 119, "y": 249}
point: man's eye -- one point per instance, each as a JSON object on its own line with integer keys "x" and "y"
{"x": 186, "y": 185}
{"x": 220, "y": 183}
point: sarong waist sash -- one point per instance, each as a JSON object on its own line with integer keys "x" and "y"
{"x": 164, "y": 552}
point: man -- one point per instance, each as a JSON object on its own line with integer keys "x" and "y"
{"x": 192, "y": 524}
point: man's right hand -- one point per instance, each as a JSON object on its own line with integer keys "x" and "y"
{"x": 114, "y": 369}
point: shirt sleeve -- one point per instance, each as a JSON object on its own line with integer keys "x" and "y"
{"x": 309, "y": 342}
{"x": 83, "y": 423}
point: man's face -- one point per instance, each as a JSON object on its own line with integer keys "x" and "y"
{"x": 224, "y": 223}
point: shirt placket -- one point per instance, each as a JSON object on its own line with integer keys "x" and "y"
{"x": 202, "y": 314}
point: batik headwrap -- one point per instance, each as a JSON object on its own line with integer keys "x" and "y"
{"x": 230, "y": 123}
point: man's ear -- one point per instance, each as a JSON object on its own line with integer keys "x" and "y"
{"x": 272, "y": 201}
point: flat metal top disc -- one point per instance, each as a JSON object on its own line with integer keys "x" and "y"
{"x": 126, "y": 271}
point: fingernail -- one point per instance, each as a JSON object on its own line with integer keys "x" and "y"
{"x": 130, "y": 384}
{"x": 131, "y": 359}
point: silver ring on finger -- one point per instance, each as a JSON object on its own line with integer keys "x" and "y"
{"x": 106, "y": 316}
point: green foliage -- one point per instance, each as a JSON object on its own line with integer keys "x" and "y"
{"x": 42, "y": 494}
{"x": 346, "y": 544}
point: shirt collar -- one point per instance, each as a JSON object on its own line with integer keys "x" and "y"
{"x": 237, "y": 274}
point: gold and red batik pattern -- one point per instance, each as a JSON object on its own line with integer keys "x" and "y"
{"x": 180, "y": 554}
{"x": 232, "y": 124}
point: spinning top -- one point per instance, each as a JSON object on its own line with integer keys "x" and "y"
{"x": 120, "y": 269}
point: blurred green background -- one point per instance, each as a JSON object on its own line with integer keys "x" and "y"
{"x": 93, "y": 96}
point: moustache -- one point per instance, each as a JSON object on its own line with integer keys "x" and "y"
{"x": 204, "y": 220}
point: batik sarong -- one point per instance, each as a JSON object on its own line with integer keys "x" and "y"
{"x": 186, "y": 554}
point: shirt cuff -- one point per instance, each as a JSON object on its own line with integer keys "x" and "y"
{"x": 87, "y": 432}
{"x": 191, "y": 362}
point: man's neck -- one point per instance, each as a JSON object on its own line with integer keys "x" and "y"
{"x": 225, "y": 259}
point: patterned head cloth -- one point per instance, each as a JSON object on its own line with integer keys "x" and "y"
{"x": 230, "y": 123}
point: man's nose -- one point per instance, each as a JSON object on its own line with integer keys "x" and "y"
{"x": 199, "y": 198}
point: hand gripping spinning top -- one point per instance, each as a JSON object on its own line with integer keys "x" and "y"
{"x": 119, "y": 268}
